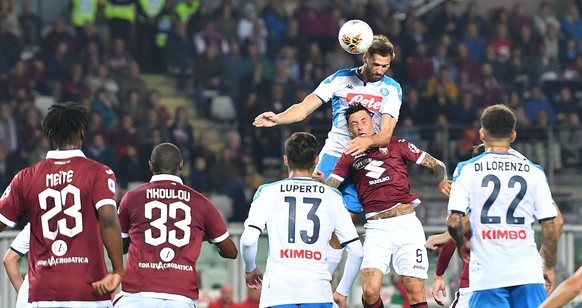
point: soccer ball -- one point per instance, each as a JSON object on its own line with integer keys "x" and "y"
{"x": 355, "y": 36}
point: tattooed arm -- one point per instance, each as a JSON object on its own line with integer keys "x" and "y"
{"x": 440, "y": 171}
{"x": 457, "y": 231}
{"x": 333, "y": 182}
{"x": 548, "y": 250}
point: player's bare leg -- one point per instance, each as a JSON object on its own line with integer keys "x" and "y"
{"x": 415, "y": 291}
{"x": 371, "y": 284}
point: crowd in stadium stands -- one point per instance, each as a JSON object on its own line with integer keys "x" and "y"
{"x": 267, "y": 55}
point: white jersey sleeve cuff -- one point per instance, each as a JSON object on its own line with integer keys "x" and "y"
{"x": 124, "y": 235}
{"x": 337, "y": 177}
{"x": 220, "y": 238}
{"x": 7, "y": 221}
{"x": 420, "y": 158}
{"x": 105, "y": 202}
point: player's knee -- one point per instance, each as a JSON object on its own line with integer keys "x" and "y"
{"x": 371, "y": 282}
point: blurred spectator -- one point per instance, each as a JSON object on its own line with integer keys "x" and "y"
{"x": 39, "y": 152}
{"x": 200, "y": 176}
{"x": 472, "y": 15}
{"x": 518, "y": 71}
{"x": 515, "y": 102}
{"x": 207, "y": 77}
{"x": 544, "y": 18}
{"x": 466, "y": 84}
{"x": 338, "y": 59}
{"x": 120, "y": 16}
{"x": 19, "y": 78}
{"x": 226, "y": 180}
{"x": 570, "y": 140}
{"x": 148, "y": 17}
{"x": 490, "y": 86}
{"x": 252, "y": 28}
{"x": 90, "y": 35}
{"x": 103, "y": 104}
{"x": 275, "y": 18}
{"x": 179, "y": 52}
{"x": 202, "y": 149}
{"x": 565, "y": 105}
{"x": 83, "y": 12}
{"x": 58, "y": 65}
{"x": 31, "y": 25}
{"x": 130, "y": 167}
{"x": 437, "y": 104}
{"x": 236, "y": 67}
{"x": 312, "y": 67}
{"x": 199, "y": 18}
{"x": 92, "y": 59}
{"x": 100, "y": 151}
{"x": 74, "y": 87}
{"x": 58, "y": 32}
{"x": 126, "y": 132}
{"x": 544, "y": 67}
{"x": 252, "y": 300}
{"x": 502, "y": 42}
{"x": 572, "y": 24}
{"x": 409, "y": 131}
{"x": 441, "y": 59}
{"x": 226, "y": 298}
{"x": 7, "y": 10}
{"x": 537, "y": 102}
{"x": 181, "y": 132}
{"x": 155, "y": 137}
{"x": 416, "y": 36}
{"x": 226, "y": 20}
{"x": 153, "y": 101}
{"x": 133, "y": 106}
{"x": 133, "y": 82}
{"x": 184, "y": 9}
{"x": 574, "y": 70}
{"x": 31, "y": 129}
{"x": 9, "y": 132}
{"x": 465, "y": 112}
{"x": 420, "y": 67}
{"x": 119, "y": 60}
{"x": 444, "y": 20}
{"x": 446, "y": 81}
{"x": 210, "y": 37}
{"x": 464, "y": 149}
{"x": 519, "y": 19}
{"x": 411, "y": 106}
{"x": 102, "y": 80}
{"x": 551, "y": 40}
{"x": 96, "y": 126}
{"x": 292, "y": 37}
{"x": 9, "y": 45}
{"x": 474, "y": 42}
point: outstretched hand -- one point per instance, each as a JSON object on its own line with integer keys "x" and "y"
{"x": 319, "y": 176}
{"x": 438, "y": 240}
{"x": 254, "y": 279}
{"x": 266, "y": 119}
{"x": 358, "y": 145}
{"x": 340, "y": 300}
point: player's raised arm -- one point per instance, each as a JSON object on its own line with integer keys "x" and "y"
{"x": 295, "y": 113}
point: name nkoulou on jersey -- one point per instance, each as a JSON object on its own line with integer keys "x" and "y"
{"x": 504, "y": 193}
{"x": 381, "y": 174}
{"x": 61, "y": 196}
{"x": 300, "y": 215}
{"x": 166, "y": 221}
{"x": 347, "y": 87}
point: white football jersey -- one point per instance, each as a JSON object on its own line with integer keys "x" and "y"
{"x": 347, "y": 87}
{"x": 505, "y": 193}
{"x": 300, "y": 215}
{"x": 21, "y": 242}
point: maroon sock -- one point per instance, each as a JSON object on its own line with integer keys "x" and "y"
{"x": 377, "y": 304}
{"x": 419, "y": 305}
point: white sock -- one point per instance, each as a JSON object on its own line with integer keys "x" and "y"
{"x": 334, "y": 257}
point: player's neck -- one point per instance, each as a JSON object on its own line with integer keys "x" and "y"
{"x": 363, "y": 74}
{"x": 300, "y": 173}
{"x": 68, "y": 147}
{"x": 497, "y": 148}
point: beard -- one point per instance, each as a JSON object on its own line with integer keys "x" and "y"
{"x": 370, "y": 75}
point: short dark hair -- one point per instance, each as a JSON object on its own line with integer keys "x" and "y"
{"x": 381, "y": 45}
{"x": 498, "y": 121}
{"x": 166, "y": 158}
{"x": 64, "y": 122}
{"x": 301, "y": 149}
{"x": 477, "y": 149}
{"x": 353, "y": 109}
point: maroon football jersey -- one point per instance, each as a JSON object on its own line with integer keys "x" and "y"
{"x": 380, "y": 174}
{"x": 60, "y": 196}
{"x": 165, "y": 221}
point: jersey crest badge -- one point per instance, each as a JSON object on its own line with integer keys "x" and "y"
{"x": 384, "y": 91}
{"x": 384, "y": 150}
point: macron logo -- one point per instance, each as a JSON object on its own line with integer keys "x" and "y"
{"x": 109, "y": 171}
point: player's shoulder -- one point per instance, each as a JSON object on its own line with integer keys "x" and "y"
{"x": 462, "y": 166}
{"x": 87, "y": 164}
{"x": 339, "y": 75}
{"x": 390, "y": 81}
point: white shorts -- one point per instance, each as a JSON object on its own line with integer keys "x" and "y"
{"x": 398, "y": 238}
{"x": 123, "y": 301}
{"x": 462, "y": 298}
{"x": 72, "y": 304}
{"x": 22, "y": 298}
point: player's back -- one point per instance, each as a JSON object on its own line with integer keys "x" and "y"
{"x": 62, "y": 195}
{"x": 301, "y": 215}
{"x": 507, "y": 194}
{"x": 165, "y": 221}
